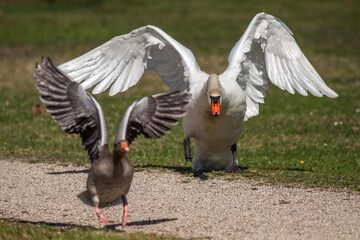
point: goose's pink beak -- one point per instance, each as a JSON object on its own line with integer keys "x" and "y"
{"x": 125, "y": 146}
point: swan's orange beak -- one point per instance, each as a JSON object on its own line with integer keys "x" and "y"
{"x": 125, "y": 146}
{"x": 215, "y": 105}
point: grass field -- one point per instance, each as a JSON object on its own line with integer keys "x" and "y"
{"x": 25, "y": 230}
{"x": 295, "y": 141}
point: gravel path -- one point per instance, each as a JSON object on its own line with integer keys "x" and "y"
{"x": 167, "y": 203}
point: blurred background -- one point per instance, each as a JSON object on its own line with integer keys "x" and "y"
{"x": 296, "y": 137}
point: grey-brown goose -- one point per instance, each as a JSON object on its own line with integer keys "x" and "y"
{"x": 76, "y": 111}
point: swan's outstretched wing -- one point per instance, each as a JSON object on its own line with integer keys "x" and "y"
{"x": 268, "y": 52}
{"x": 150, "y": 115}
{"x": 122, "y": 61}
{"x": 71, "y": 107}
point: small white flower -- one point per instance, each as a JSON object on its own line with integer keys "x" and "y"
{"x": 338, "y": 123}
{"x": 357, "y": 110}
{"x": 325, "y": 144}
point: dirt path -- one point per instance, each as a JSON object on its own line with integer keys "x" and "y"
{"x": 167, "y": 203}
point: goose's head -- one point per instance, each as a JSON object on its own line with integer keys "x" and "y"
{"x": 214, "y": 94}
{"x": 124, "y": 146}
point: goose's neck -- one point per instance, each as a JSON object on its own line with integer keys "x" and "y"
{"x": 119, "y": 156}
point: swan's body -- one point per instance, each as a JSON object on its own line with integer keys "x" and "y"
{"x": 267, "y": 52}
{"x": 76, "y": 111}
{"x": 214, "y": 135}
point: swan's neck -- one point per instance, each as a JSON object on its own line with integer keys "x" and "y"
{"x": 214, "y": 86}
{"x": 214, "y": 94}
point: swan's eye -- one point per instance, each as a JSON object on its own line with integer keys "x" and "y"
{"x": 215, "y": 99}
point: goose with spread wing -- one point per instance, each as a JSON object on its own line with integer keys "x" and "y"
{"x": 267, "y": 52}
{"x": 76, "y": 111}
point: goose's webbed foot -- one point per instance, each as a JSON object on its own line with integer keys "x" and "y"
{"x": 102, "y": 218}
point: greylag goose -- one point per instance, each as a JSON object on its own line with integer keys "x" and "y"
{"x": 76, "y": 111}
{"x": 267, "y": 52}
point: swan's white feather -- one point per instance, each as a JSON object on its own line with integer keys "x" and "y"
{"x": 146, "y": 48}
{"x": 268, "y": 44}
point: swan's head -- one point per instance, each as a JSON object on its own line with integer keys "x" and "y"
{"x": 214, "y": 94}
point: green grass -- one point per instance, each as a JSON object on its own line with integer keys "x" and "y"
{"x": 28, "y": 230}
{"x": 321, "y": 132}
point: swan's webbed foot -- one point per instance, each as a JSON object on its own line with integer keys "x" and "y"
{"x": 235, "y": 167}
{"x": 187, "y": 150}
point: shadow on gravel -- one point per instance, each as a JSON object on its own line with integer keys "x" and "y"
{"x": 52, "y": 224}
{"x": 140, "y": 223}
{"x": 188, "y": 171}
{"x": 182, "y": 170}
{"x": 69, "y": 172}
{"x": 112, "y": 227}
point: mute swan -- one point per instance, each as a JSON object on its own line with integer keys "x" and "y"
{"x": 267, "y": 52}
{"x": 76, "y": 111}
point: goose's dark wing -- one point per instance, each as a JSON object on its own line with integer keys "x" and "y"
{"x": 150, "y": 115}
{"x": 75, "y": 110}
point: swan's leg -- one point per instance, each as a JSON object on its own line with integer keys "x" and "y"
{"x": 187, "y": 150}
{"x": 235, "y": 167}
{"x": 125, "y": 212}
{"x": 233, "y": 150}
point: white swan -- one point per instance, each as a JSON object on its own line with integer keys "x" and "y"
{"x": 266, "y": 52}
